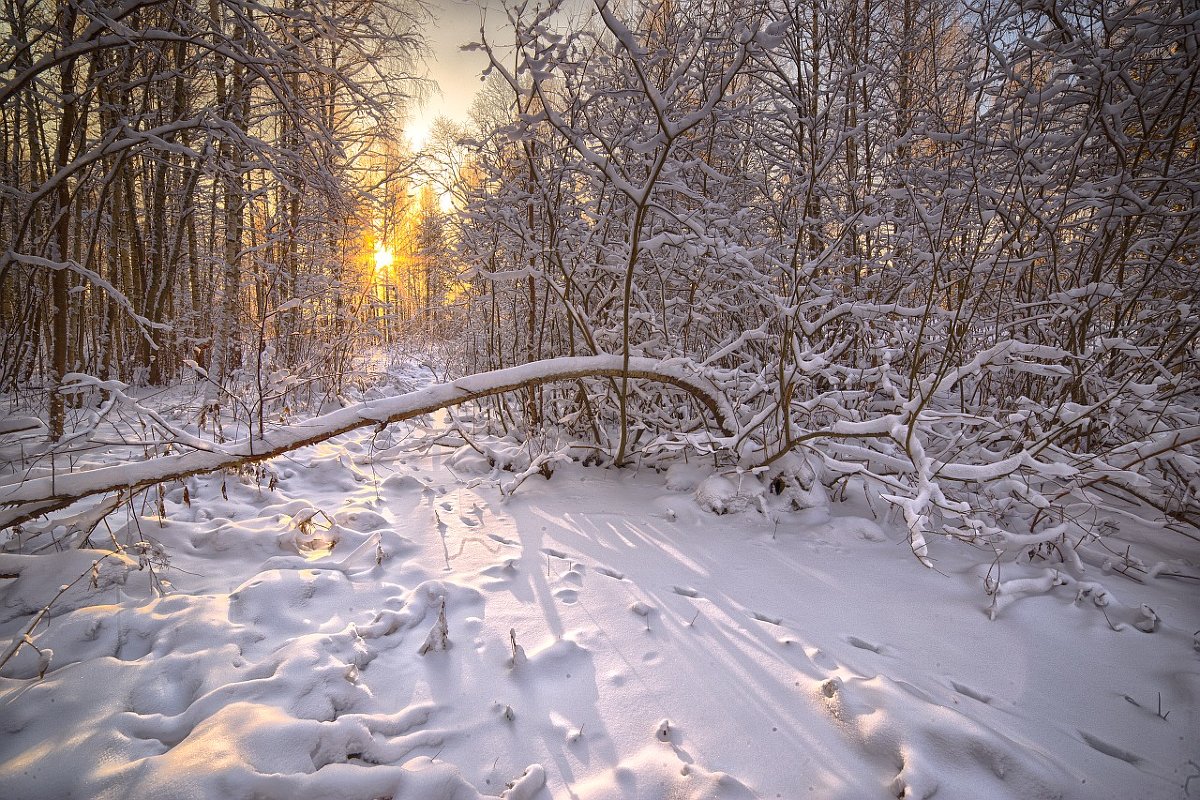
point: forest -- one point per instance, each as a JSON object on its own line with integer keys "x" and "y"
{"x": 918, "y": 272}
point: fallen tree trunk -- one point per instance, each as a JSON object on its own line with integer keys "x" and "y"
{"x": 37, "y": 496}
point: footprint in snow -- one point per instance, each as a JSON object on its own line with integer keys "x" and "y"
{"x": 611, "y": 573}
{"x": 1111, "y": 750}
{"x": 766, "y": 618}
{"x": 495, "y": 537}
{"x": 685, "y": 591}
{"x": 974, "y": 694}
{"x": 820, "y": 658}
{"x": 568, "y": 596}
{"x": 863, "y": 644}
{"x": 550, "y": 551}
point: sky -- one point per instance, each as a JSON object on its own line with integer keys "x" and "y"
{"x": 456, "y": 72}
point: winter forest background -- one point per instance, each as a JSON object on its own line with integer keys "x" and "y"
{"x": 943, "y": 250}
{"x": 928, "y": 243}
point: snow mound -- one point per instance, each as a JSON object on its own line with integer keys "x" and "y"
{"x": 361, "y": 520}
{"x": 721, "y": 495}
{"x": 797, "y": 483}
{"x": 467, "y": 461}
{"x": 662, "y": 771}
{"x": 401, "y": 484}
{"x": 40, "y": 581}
{"x": 921, "y": 747}
{"x": 685, "y": 477}
{"x": 858, "y": 527}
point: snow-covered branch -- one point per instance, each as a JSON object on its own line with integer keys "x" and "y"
{"x": 36, "y": 496}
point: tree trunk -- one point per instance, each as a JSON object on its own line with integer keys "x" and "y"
{"x": 60, "y": 286}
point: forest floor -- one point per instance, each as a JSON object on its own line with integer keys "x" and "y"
{"x": 291, "y": 648}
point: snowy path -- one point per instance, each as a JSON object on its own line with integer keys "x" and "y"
{"x": 812, "y": 658}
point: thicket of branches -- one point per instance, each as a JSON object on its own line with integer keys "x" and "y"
{"x": 948, "y": 246}
{"x": 189, "y": 182}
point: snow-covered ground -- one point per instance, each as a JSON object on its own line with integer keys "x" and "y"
{"x": 606, "y": 636}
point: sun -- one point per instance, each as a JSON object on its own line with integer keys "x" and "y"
{"x": 383, "y": 258}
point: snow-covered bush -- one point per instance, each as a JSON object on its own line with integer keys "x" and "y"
{"x": 902, "y": 306}
{"x": 796, "y": 482}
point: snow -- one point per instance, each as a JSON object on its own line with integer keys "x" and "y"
{"x": 733, "y": 494}
{"x": 387, "y": 621}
